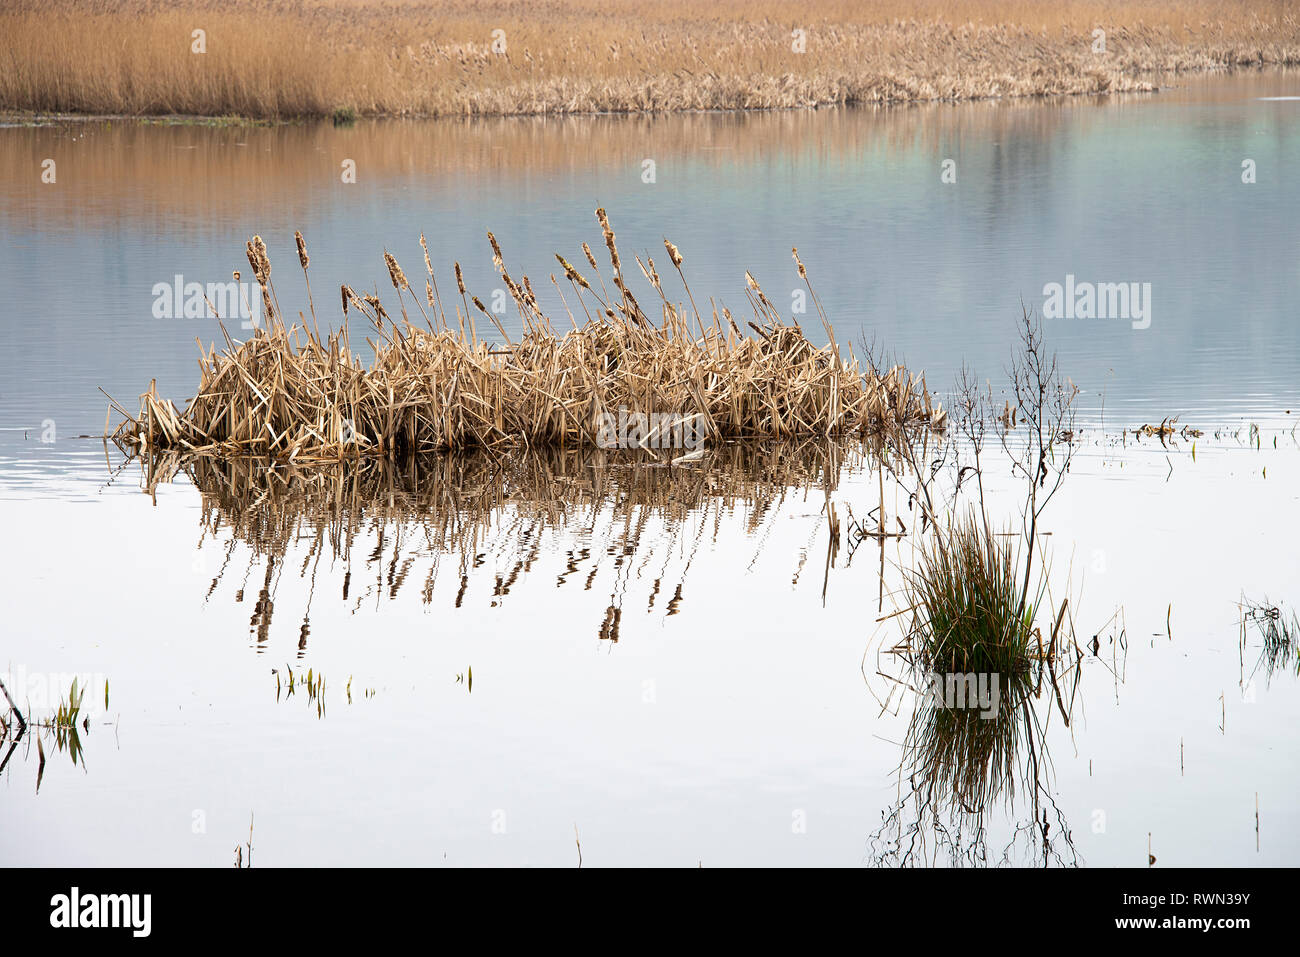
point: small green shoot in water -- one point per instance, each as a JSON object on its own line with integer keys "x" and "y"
{"x": 312, "y": 682}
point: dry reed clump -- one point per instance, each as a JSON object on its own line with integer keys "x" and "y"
{"x": 292, "y": 394}
{"x": 265, "y": 59}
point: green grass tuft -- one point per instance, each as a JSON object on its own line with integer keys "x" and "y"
{"x": 967, "y": 618}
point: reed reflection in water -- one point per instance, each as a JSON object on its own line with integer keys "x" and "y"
{"x": 459, "y": 525}
{"x": 960, "y": 763}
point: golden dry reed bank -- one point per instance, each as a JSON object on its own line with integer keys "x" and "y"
{"x": 271, "y": 59}
{"x": 437, "y": 384}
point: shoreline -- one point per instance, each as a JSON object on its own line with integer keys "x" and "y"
{"x": 20, "y": 118}
{"x": 251, "y": 60}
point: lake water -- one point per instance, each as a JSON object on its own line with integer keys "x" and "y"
{"x": 662, "y": 659}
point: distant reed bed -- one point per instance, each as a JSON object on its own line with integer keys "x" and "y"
{"x": 438, "y": 383}
{"x": 269, "y": 59}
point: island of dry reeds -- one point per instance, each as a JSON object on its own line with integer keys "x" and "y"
{"x": 281, "y": 58}
{"x": 447, "y": 374}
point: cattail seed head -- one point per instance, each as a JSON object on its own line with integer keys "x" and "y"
{"x": 374, "y": 303}
{"x": 425, "y": 246}
{"x": 395, "y": 273}
{"x": 609, "y": 240}
{"x": 460, "y": 279}
{"x": 302, "y": 248}
{"x": 673, "y": 254}
{"x": 572, "y": 274}
{"x": 263, "y": 263}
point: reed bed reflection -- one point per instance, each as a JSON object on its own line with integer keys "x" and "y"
{"x": 453, "y": 527}
{"x": 199, "y": 174}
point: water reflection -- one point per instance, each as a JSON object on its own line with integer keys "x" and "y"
{"x": 56, "y": 730}
{"x": 475, "y": 524}
{"x": 1278, "y": 634}
{"x": 958, "y": 764}
{"x": 969, "y": 750}
{"x": 204, "y": 171}
{"x": 460, "y": 527}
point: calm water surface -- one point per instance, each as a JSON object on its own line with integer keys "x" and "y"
{"x": 664, "y": 660}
